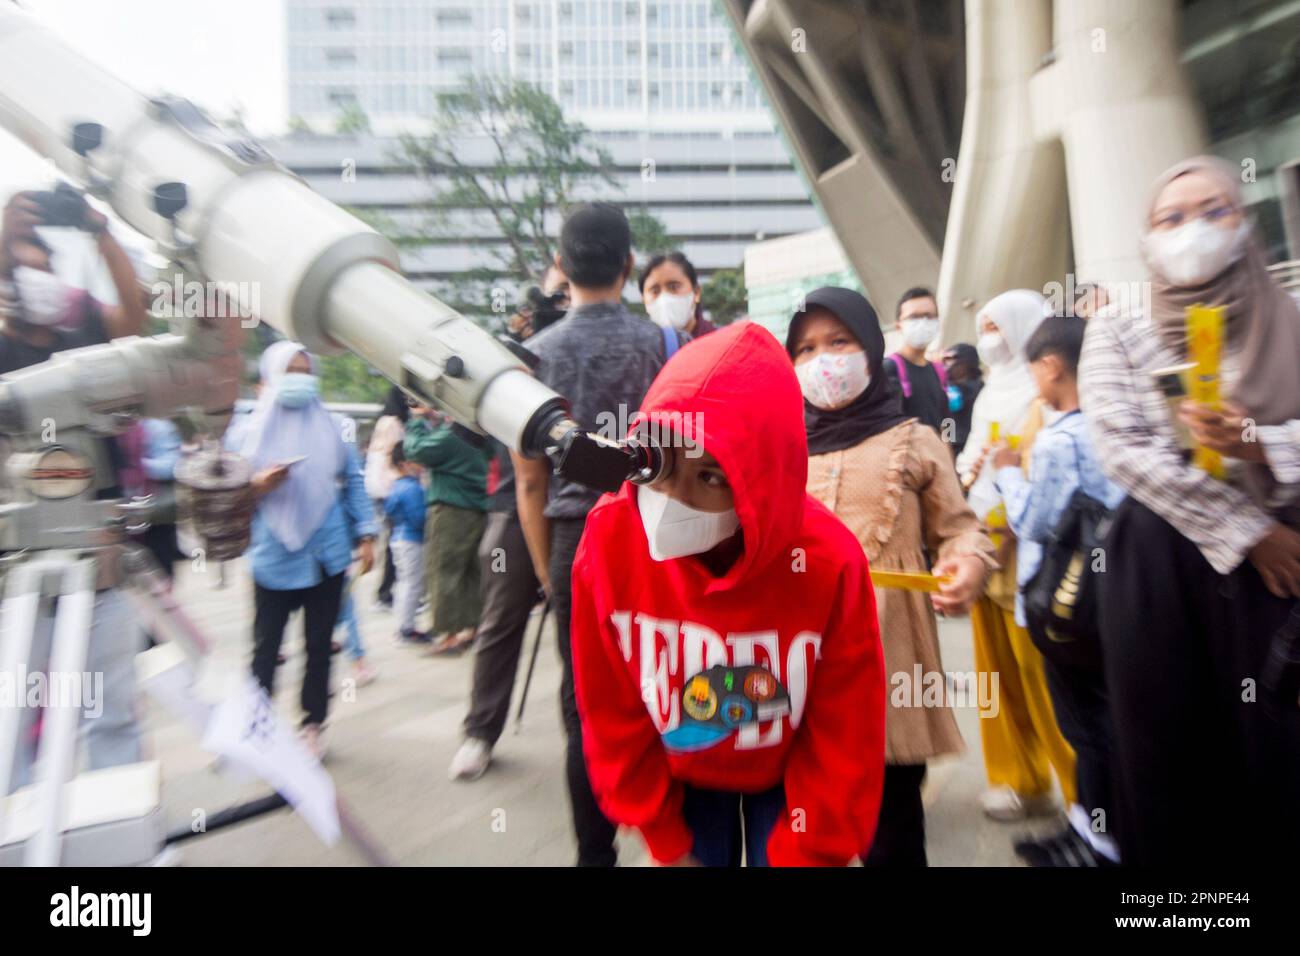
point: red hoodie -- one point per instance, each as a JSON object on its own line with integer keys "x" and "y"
{"x": 798, "y": 603}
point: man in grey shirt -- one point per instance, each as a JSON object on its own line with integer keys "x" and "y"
{"x": 601, "y": 358}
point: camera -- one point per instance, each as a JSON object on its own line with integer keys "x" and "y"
{"x": 62, "y": 206}
{"x": 546, "y": 309}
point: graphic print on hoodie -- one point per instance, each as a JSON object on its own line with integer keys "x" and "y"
{"x": 656, "y": 642}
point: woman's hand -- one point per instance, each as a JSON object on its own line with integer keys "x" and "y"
{"x": 956, "y": 596}
{"x": 366, "y": 555}
{"x": 268, "y": 479}
{"x": 1222, "y": 430}
{"x": 1277, "y": 559}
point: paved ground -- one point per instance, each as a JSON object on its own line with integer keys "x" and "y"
{"x": 390, "y": 743}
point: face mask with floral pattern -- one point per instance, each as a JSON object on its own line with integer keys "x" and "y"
{"x": 832, "y": 380}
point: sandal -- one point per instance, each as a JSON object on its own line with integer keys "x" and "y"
{"x": 452, "y": 643}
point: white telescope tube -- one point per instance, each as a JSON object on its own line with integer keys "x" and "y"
{"x": 321, "y": 276}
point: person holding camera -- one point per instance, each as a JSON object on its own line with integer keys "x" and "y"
{"x": 41, "y": 314}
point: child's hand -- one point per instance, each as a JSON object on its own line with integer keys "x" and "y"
{"x": 1004, "y": 456}
{"x": 956, "y": 596}
{"x": 971, "y": 476}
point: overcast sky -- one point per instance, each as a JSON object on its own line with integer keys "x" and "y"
{"x": 219, "y": 53}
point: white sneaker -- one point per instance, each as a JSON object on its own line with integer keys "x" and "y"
{"x": 471, "y": 760}
{"x": 1006, "y": 806}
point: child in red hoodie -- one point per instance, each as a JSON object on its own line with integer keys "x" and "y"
{"x": 725, "y": 646}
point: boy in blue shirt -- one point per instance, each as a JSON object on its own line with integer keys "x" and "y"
{"x": 1062, "y": 460}
{"x": 405, "y": 510}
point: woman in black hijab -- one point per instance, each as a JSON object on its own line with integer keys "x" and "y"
{"x": 851, "y": 399}
{"x": 890, "y": 479}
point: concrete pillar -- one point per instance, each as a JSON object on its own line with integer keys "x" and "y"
{"x": 1125, "y": 111}
{"x": 1071, "y": 106}
{"x": 1007, "y": 225}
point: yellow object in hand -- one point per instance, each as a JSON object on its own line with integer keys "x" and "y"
{"x": 908, "y": 580}
{"x": 1204, "y": 343}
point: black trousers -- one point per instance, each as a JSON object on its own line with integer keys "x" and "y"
{"x": 595, "y": 833}
{"x": 509, "y": 593}
{"x": 320, "y": 605}
{"x": 1204, "y": 774}
{"x": 1082, "y": 711}
{"x": 900, "y": 831}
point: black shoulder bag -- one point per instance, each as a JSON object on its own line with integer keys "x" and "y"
{"x": 1060, "y": 600}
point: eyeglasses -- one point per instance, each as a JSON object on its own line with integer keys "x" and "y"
{"x": 1176, "y": 217}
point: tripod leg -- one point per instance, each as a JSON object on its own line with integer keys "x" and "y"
{"x": 58, "y": 751}
{"x": 17, "y": 626}
{"x": 532, "y": 662}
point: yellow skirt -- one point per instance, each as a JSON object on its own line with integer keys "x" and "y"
{"x": 1022, "y": 741}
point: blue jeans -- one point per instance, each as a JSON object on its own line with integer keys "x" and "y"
{"x": 715, "y": 818}
{"x": 348, "y": 621}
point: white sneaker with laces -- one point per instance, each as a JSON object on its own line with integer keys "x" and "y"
{"x": 471, "y": 760}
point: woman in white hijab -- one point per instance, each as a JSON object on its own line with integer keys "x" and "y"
{"x": 312, "y": 510}
{"x": 1022, "y": 743}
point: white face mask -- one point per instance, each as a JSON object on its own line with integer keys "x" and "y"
{"x": 918, "y": 333}
{"x": 43, "y": 295}
{"x": 672, "y": 311}
{"x": 832, "y": 380}
{"x": 675, "y": 530}
{"x": 1195, "y": 252}
{"x": 993, "y": 349}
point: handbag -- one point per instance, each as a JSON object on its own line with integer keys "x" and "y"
{"x": 1060, "y": 600}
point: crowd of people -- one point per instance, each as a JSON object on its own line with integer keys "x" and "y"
{"x": 731, "y": 677}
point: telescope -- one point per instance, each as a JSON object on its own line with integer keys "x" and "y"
{"x": 226, "y": 212}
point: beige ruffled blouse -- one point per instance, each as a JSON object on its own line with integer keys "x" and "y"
{"x": 898, "y": 493}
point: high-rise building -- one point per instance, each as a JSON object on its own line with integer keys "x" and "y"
{"x": 613, "y": 64}
{"x": 663, "y": 85}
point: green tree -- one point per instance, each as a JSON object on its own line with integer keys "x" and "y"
{"x": 723, "y": 295}
{"x": 352, "y": 119}
{"x": 538, "y": 163}
{"x": 649, "y": 235}
{"x": 347, "y": 378}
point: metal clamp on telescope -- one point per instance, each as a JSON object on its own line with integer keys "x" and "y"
{"x": 599, "y": 462}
